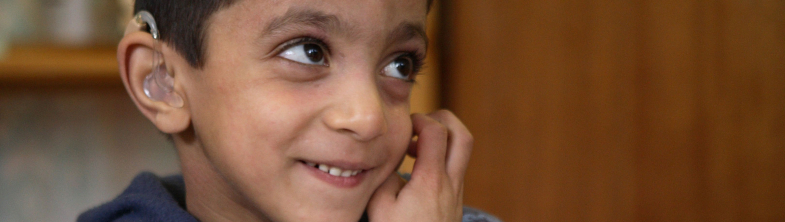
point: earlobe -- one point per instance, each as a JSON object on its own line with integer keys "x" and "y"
{"x": 163, "y": 106}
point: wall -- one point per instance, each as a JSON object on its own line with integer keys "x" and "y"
{"x": 614, "y": 110}
{"x": 65, "y": 149}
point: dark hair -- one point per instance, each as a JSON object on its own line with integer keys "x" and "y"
{"x": 181, "y": 23}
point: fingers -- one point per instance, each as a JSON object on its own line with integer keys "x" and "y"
{"x": 431, "y": 146}
{"x": 442, "y": 145}
{"x": 386, "y": 194}
{"x": 460, "y": 143}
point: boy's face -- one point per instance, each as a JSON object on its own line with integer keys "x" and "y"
{"x": 291, "y": 86}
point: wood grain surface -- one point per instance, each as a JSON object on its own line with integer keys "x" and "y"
{"x": 613, "y": 110}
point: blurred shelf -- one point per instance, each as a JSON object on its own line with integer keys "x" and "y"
{"x": 52, "y": 65}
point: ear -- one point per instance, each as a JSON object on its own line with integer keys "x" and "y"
{"x": 135, "y": 58}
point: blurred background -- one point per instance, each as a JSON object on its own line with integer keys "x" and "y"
{"x": 602, "y": 110}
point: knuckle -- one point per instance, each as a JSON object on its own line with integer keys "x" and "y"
{"x": 444, "y": 113}
{"x": 441, "y": 115}
{"x": 467, "y": 139}
{"x": 437, "y": 129}
{"x": 464, "y": 138}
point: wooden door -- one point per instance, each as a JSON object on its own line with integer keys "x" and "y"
{"x": 615, "y": 110}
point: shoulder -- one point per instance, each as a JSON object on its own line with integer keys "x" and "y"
{"x": 147, "y": 198}
{"x": 475, "y": 215}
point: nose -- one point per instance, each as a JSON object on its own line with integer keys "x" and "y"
{"x": 359, "y": 111}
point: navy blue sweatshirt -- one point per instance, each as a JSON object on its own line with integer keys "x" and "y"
{"x": 151, "y": 198}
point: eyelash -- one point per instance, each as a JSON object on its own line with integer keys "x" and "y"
{"x": 418, "y": 60}
{"x": 417, "y": 57}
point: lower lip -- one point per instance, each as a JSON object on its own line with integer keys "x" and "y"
{"x": 338, "y": 181}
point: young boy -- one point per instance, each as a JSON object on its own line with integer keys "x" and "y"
{"x": 285, "y": 110}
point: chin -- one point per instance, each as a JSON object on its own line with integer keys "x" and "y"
{"x": 334, "y": 207}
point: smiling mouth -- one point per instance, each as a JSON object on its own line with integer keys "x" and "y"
{"x": 334, "y": 171}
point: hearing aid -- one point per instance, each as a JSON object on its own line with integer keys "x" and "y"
{"x": 159, "y": 84}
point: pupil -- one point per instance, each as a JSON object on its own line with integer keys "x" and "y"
{"x": 314, "y": 52}
{"x": 404, "y": 66}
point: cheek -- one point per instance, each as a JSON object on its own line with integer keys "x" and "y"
{"x": 242, "y": 118}
{"x": 400, "y": 132}
{"x": 259, "y": 115}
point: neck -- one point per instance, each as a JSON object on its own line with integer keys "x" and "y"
{"x": 209, "y": 197}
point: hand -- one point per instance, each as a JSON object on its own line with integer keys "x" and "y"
{"x": 435, "y": 190}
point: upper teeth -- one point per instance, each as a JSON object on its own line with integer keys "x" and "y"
{"x": 335, "y": 171}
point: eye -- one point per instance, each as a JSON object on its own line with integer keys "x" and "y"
{"x": 402, "y": 67}
{"x": 306, "y": 53}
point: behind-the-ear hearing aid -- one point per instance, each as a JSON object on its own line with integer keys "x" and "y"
{"x": 159, "y": 84}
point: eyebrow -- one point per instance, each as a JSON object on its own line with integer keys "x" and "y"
{"x": 406, "y": 31}
{"x": 313, "y": 18}
{"x": 328, "y": 22}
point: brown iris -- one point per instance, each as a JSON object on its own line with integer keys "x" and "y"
{"x": 404, "y": 66}
{"x": 313, "y": 52}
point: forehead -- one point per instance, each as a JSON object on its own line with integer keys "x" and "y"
{"x": 260, "y": 15}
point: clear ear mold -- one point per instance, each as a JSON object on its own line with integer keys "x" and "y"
{"x": 158, "y": 85}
